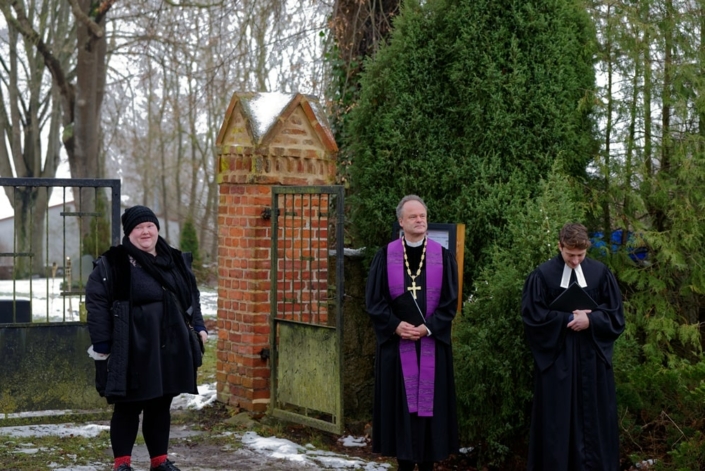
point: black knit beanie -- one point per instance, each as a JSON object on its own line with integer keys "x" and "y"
{"x": 137, "y": 215}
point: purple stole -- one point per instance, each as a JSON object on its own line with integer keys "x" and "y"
{"x": 418, "y": 378}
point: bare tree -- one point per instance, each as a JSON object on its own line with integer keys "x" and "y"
{"x": 82, "y": 98}
{"x": 163, "y": 73}
{"x": 181, "y": 64}
{"x": 30, "y": 114}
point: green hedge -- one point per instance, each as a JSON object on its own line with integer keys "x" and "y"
{"x": 468, "y": 107}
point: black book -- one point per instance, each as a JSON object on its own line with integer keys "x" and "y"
{"x": 407, "y": 309}
{"x": 574, "y": 297}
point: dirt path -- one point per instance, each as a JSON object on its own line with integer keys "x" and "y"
{"x": 204, "y": 457}
{"x": 193, "y": 450}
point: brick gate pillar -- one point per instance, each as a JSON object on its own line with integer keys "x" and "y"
{"x": 266, "y": 139}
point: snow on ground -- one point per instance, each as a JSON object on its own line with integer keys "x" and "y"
{"x": 46, "y": 298}
{"x": 48, "y": 305}
{"x": 59, "y": 430}
{"x": 272, "y": 447}
{"x": 286, "y": 449}
{"x": 206, "y": 395}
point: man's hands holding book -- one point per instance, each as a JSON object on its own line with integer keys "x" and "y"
{"x": 409, "y": 332}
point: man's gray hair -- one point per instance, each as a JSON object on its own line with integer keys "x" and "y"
{"x": 405, "y": 200}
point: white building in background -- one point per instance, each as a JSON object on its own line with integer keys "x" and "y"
{"x": 63, "y": 239}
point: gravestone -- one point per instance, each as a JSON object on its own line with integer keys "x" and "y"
{"x": 23, "y": 312}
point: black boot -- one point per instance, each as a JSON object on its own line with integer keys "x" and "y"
{"x": 426, "y": 466}
{"x": 165, "y": 466}
{"x": 405, "y": 465}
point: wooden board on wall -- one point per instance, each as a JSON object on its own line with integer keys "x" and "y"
{"x": 460, "y": 258}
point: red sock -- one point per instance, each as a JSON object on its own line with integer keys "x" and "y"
{"x": 122, "y": 460}
{"x": 157, "y": 461}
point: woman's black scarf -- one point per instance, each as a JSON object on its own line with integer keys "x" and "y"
{"x": 170, "y": 271}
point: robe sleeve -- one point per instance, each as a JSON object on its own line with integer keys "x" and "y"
{"x": 378, "y": 299}
{"x": 607, "y": 321}
{"x": 545, "y": 329}
{"x": 441, "y": 321}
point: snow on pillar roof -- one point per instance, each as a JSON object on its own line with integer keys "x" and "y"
{"x": 262, "y": 113}
{"x": 277, "y": 138}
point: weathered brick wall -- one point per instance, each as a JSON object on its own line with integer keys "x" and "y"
{"x": 243, "y": 295}
{"x": 296, "y": 151}
{"x": 303, "y": 276}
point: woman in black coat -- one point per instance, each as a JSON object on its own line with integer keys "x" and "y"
{"x": 145, "y": 323}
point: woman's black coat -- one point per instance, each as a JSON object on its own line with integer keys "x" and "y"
{"x": 150, "y": 347}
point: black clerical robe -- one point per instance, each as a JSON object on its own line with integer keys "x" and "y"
{"x": 574, "y": 416}
{"x": 396, "y": 432}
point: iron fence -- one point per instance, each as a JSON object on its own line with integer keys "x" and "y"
{"x": 47, "y": 244}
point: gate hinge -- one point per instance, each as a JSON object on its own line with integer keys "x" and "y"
{"x": 267, "y": 213}
{"x": 264, "y": 354}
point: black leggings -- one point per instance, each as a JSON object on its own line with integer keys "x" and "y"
{"x": 156, "y": 422}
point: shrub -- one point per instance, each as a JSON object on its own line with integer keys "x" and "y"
{"x": 468, "y": 107}
{"x": 493, "y": 363}
{"x": 189, "y": 242}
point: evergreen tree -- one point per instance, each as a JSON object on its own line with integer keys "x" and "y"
{"x": 188, "y": 242}
{"x": 492, "y": 361}
{"x": 468, "y": 106}
{"x": 649, "y": 182}
{"x": 659, "y": 369}
{"x": 98, "y": 238}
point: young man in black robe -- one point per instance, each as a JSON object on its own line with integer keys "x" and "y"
{"x": 415, "y": 407}
{"x": 574, "y": 416}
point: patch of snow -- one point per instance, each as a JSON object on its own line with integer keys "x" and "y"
{"x": 58, "y": 430}
{"x": 276, "y": 447}
{"x": 286, "y": 449}
{"x": 264, "y": 109}
{"x": 318, "y": 111}
{"x": 206, "y": 395}
{"x": 349, "y": 440}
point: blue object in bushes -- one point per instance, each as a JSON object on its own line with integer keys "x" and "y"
{"x": 635, "y": 253}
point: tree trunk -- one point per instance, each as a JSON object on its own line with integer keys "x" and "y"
{"x": 30, "y": 205}
{"x": 606, "y": 174}
{"x": 33, "y": 112}
{"x": 659, "y": 214}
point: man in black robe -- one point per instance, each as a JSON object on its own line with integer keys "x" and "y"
{"x": 574, "y": 416}
{"x": 415, "y": 407}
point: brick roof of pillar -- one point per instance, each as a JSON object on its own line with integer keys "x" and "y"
{"x": 275, "y": 139}
{"x": 257, "y": 120}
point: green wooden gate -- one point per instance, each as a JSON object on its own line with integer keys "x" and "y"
{"x": 306, "y": 305}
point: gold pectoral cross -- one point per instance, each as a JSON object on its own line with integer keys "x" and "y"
{"x": 413, "y": 288}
